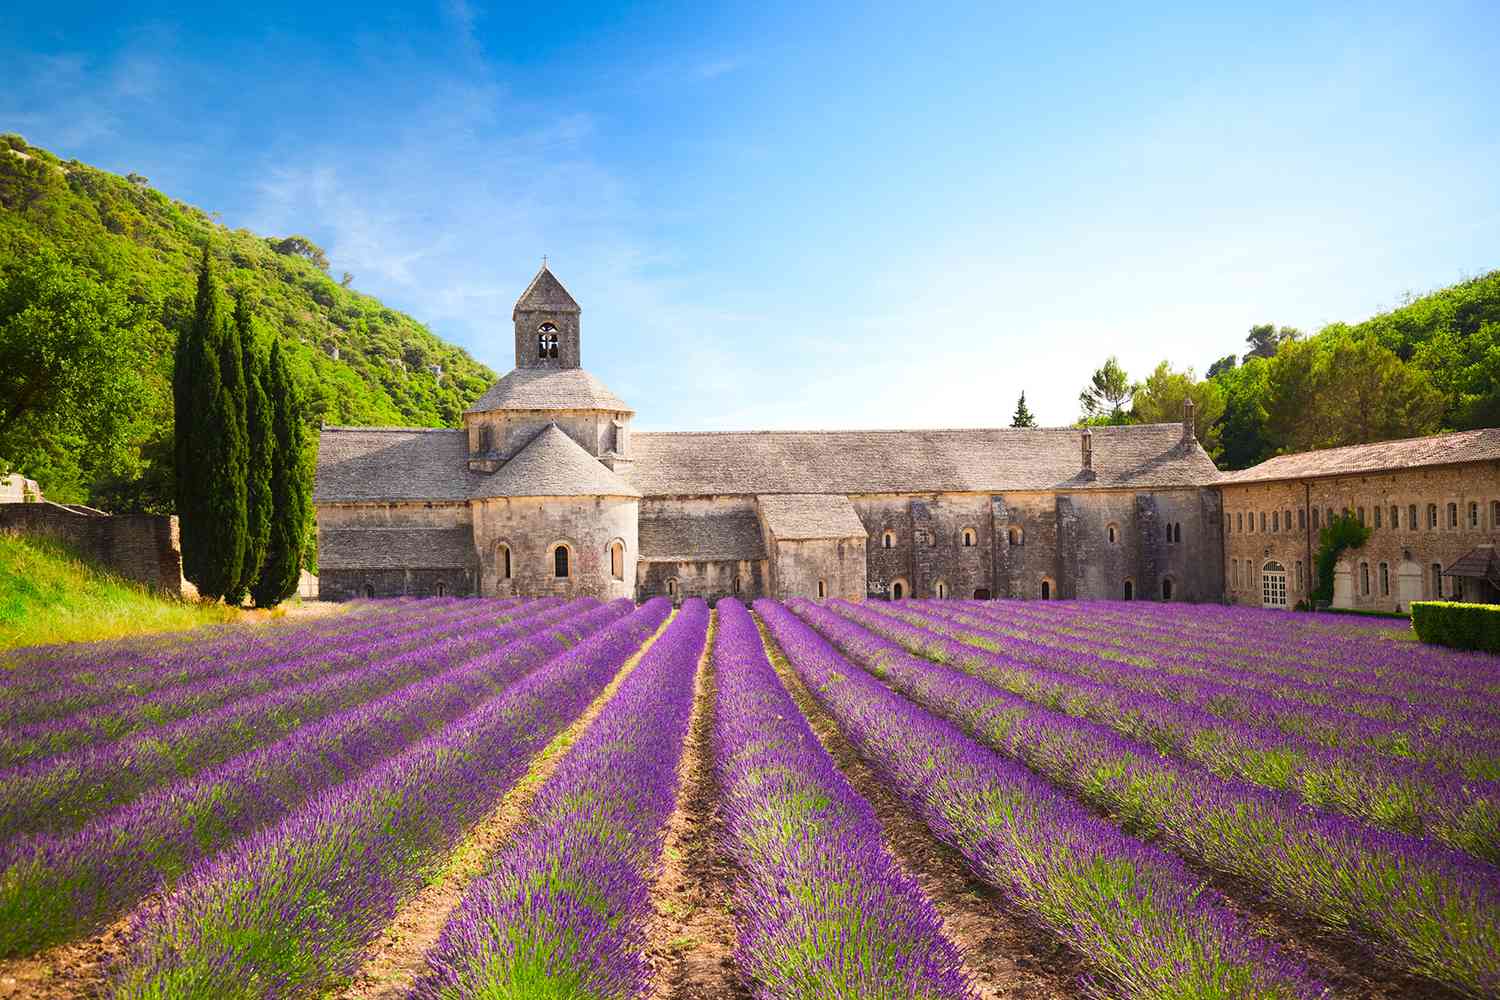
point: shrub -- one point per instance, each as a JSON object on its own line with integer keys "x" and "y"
{"x": 1453, "y": 623}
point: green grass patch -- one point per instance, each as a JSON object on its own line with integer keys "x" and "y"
{"x": 48, "y": 594}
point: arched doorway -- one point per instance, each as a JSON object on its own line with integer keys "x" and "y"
{"x": 1166, "y": 589}
{"x": 1273, "y": 585}
{"x": 1129, "y": 590}
{"x": 369, "y": 590}
{"x": 898, "y": 589}
{"x": 1046, "y": 590}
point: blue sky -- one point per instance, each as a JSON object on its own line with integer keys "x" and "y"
{"x": 791, "y": 215}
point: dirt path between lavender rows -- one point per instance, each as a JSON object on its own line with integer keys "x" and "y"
{"x": 692, "y": 936}
{"x": 1008, "y": 956}
{"x": 396, "y": 958}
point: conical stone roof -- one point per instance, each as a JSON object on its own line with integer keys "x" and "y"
{"x": 553, "y": 465}
{"x": 549, "y": 389}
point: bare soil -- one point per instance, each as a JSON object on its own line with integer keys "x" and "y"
{"x": 692, "y": 935}
{"x": 75, "y": 969}
{"x": 395, "y": 959}
{"x": 1007, "y": 955}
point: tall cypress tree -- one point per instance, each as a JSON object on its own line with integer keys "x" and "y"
{"x": 291, "y": 489}
{"x": 227, "y": 459}
{"x": 195, "y": 378}
{"x": 261, "y": 442}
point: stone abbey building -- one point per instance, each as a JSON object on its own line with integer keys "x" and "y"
{"x": 545, "y": 490}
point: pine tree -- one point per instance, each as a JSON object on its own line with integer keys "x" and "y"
{"x": 261, "y": 440}
{"x": 195, "y": 377}
{"x": 291, "y": 489}
{"x": 1022, "y": 417}
{"x": 227, "y": 458}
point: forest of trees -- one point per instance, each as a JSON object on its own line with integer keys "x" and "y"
{"x": 1431, "y": 365}
{"x": 98, "y": 275}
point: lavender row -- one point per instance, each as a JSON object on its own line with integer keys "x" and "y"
{"x": 122, "y": 717}
{"x": 1473, "y": 757}
{"x": 1266, "y": 640}
{"x": 70, "y": 698}
{"x": 63, "y": 792}
{"x": 563, "y": 909}
{"x": 1146, "y": 923}
{"x": 1432, "y": 911}
{"x": 61, "y": 888}
{"x": 34, "y": 669}
{"x": 289, "y": 910}
{"x": 1387, "y": 792}
{"x": 824, "y": 909}
{"x": 1472, "y": 713}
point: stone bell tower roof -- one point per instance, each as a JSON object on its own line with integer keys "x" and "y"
{"x": 545, "y": 294}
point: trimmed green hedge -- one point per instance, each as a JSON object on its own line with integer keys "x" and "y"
{"x": 1462, "y": 626}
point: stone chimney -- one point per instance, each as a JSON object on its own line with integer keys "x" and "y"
{"x": 1088, "y": 455}
{"x": 1189, "y": 424}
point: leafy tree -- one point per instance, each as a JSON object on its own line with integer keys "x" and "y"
{"x": 1225, "y": 364}
{"x": 1104, "y": 399}
{"x": 1163, "y": 397}
{"x": 301, "y": 246}
{"x": 1341, "y": 533}
{"x": 291, "y": 489}
{"x": 261, "y": 441}
{"x": 1243, "y": 440}
{"x": 1022, "y": 417}
{"x": 1265, "y": 339}
{"x": 69, "y": 394}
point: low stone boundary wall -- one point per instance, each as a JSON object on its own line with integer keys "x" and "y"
{"x": 140, "y": 547}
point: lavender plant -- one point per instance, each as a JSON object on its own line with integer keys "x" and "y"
{"x": 562, "y": 910}
{"x": 289, "y": 910}
{"x": 824, "y": 909}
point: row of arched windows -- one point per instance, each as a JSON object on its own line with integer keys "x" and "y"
{"x": 561, "y": 556}
{"x": 968, "y": 538}
{"x": 1393, "y": 517}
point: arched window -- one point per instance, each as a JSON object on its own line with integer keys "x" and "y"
{"x": 898, "y": 589}
{"x": 1395, "y": 517}
{"x": 1299, "y": 576}
{"x": 1385, "y": 580}
{"x": 1411, "y": 517}
{"x": 1275, "y": 521}
{"x": 1239, "y": 520}
{"x": 1376, "y": 511}
{"x": 617, "y": 559}
{"x": 1046, "y": 589}
{"x": 736, "y": 585}
{"x": 888, "y": 539}
{"x": 1432, "y": 515}
{"x": 1473, "y": 514}
{"x": 1113, "y": 531}
{"x": 1364, "y": 579}
{"x": 560, "y": 565}
{"x": 1286, "y": 519}
{"x": 1359, "y": 515}
{"x": 1016, "y": 536}
{"x": 1494, "y": 515}
{"x": 441, "y": 590}
{"x": 672, "y": 587}
{"x": 369, "y": 590}
{"x": 1179, "y": 532}
{"x": 970, "y": 538}
{"x": 1166, "y": 589}
{"x": 1129, "y": 590}
{"x": 822, "y": 589}
{"x": 1315, "y": 517}
{"x": 486, "y": 439}
{"x": 502, "y": 561}
{"x": 1302, "y": 519}
{"x": 940, "y": 589}
{"x": 546, "y": 341}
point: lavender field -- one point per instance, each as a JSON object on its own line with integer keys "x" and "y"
{"x": 572, "y": 799}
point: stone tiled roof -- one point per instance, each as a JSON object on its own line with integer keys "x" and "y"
{"x": 549, "y": 389}
{"x": 672, "y": 536}
{"x": 853, "y": 462}
{"x": 553, "y": 465}
{"x": 546, "y": 294}
{"x": 405, "y": 464}
{"x": 396, "y": 548}
{"x": 801, "y": 516}
{"x": 393, "y": 463}
{"x": 1381, "y": 456}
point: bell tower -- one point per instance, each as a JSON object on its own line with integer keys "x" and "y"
{"x": 546, "y": 319}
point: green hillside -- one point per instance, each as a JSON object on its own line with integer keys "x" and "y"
{"x": 356, "y": 361}
{"x": 48, "y": 595}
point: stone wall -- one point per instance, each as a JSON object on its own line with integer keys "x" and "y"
{"x": 140, "y": 547}
{"x": 798, "y": 566}
{"x": 531, "y": 528}
{"x": 347, "y": 584}
{"x": 1407, "y": 551}
{"x": 595, "y": 431}
{"x": 746, "y": 579}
